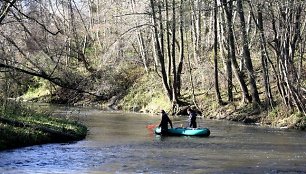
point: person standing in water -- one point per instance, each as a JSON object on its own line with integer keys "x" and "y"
{"x": 164, "y": 122}
{"x": 192, "y": 118}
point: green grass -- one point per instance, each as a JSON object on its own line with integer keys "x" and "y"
{"x": 146, "y": 95}
{"x": 22, "y": 127}
{"x": 13, "y": 137}
{"x": 40, "y": 90}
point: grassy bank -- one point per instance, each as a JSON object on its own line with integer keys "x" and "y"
{"x": 147, "y": 95}
{"x": 21, "y": 127}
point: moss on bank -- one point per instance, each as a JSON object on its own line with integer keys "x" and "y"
{"x": 21, "y": 127}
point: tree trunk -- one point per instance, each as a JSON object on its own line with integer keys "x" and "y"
{"x": 286, "y": 38}
{"x": 168, "y": 35}
{"x": 217, "y": 90}
{"x": 180, "y": 65}
{"x": 159, "y": 45}
{"x": 196, "y": 29}
{"x": 191, "y": 77}
{"x": 264, "y": 59}
{"x": 174, "y": 84}
{"x": 232, "y": 55}
{"x": 226, "y": 58}
{"x": 247, "y": 56}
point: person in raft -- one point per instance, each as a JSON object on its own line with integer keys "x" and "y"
{"x": 164, "y": 122}
{"x": 192, "y": 118}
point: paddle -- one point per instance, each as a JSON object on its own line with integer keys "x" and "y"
{"x": 152, "y": 126}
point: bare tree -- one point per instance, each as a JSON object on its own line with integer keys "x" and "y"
{"x": 159, "y": 45}
{"x": 264, "y": 54}
{"x": 216, "y": 75}
{"x": 247, "y": 56}
{"x": 228, "y": 7}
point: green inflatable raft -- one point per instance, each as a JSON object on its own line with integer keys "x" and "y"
{"x": 180, "y": 131}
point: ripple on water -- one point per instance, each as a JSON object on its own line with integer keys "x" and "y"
{"x": 231, "y": 148}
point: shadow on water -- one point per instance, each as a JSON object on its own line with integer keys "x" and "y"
{"x": 121, "y": 143}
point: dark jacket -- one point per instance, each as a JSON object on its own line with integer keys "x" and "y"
{"x": 192, "y": 119}
{"x": 164, "y": 122}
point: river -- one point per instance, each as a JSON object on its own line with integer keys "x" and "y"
{"x": 120, "y": 143}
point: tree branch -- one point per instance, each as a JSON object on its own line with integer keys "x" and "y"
{"x": 39, "y": 23}
{"x": 57, "y": 81}
{"x": 6, "y": 8}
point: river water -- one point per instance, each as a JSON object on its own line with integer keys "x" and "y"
{"x": 121, "y": 143}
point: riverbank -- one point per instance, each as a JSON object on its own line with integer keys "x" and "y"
{"x": 20, "y": 127}
{"x": 146, "y": 95}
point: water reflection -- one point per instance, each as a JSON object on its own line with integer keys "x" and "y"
{"x": 121, "y": 143}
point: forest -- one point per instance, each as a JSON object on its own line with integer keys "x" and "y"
{"x": 221, "y": 56}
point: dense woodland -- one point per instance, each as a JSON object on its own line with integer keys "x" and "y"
{"x": 250, "y": 51}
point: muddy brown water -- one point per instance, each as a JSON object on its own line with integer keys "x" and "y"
{"x": 120, "y": 143}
